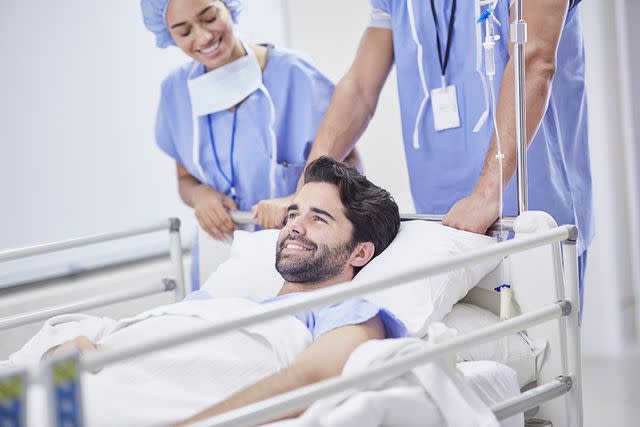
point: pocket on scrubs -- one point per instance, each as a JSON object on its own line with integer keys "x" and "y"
{"x": 287, "y": 175}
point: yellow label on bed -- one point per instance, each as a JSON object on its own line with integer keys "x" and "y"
{"x": 10, "y": 389}
{"x": 65, "y": 371}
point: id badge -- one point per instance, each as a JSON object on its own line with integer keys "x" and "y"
{"x": 444, "y": 101}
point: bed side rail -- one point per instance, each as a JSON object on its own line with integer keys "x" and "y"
{"x": 504, "y": 224}
{"x": 328, "y": 295}
{"x": 284, "y": 404}
{"x": 166, "y": 285}
{"x": 565, "y": 310}
{"x": 176, "y": 283}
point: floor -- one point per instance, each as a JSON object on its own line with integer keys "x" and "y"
{"x": 611, "y": 392}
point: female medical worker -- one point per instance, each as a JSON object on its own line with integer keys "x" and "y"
{"x": 238, "y": 119}
{"x": 449, "y": 139}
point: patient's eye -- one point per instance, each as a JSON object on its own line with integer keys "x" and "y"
{"x": 291, "y": 215}
{"x": 319, "y": 218}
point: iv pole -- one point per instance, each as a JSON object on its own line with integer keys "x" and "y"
{"x": 519, "y": 38}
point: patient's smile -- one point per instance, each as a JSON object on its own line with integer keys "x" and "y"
{"x": 296, "y": 246}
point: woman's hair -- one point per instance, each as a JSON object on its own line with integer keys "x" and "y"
{"x": 371, "y": 209}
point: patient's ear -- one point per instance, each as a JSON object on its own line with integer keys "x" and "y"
{"x": 362, "y": 254}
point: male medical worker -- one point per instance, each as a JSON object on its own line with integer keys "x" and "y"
{"x": 238, "y": 119}
{"x": 449, "y": 139}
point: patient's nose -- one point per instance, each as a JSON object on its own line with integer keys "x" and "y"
{"x": 297, "y": 227}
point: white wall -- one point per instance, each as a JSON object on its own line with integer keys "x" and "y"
{"x": 80, "y": 86}
{"x": 629, "y": 11}
{"x": 609, "y": 328}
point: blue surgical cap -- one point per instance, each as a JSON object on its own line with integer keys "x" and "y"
{"x": 154, "y": 16}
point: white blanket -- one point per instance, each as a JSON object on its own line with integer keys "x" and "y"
{"x": 170, "y": 385}
{"x": 430, "y": 395}
{"x": 57, "y": 330}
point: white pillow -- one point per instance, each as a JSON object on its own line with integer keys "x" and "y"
{"x": 517, "y": 351}
{"x": 426, "y": 300}
{"x": 250, "y": 270}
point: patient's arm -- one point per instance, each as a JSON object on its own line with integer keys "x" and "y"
{"x": 323, "y": 359}
{"x": 80, "y": 343}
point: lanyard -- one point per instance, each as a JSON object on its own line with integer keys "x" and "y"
{"x": 230, "y": 180}
{"x": 447, "y": 49}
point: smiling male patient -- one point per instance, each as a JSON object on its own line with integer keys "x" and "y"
{"x": 336, "y": 224}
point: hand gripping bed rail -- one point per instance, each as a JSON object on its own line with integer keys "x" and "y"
{"x": 175, "y": 247}
{"x": 246, "y": 218}
{"x": 326, "y": 296}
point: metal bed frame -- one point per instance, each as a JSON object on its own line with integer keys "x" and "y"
{"x": 61, "y": 374}
{"x": 175, "y": 283}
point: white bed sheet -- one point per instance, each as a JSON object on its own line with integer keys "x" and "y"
{"x": 492, "y": 381}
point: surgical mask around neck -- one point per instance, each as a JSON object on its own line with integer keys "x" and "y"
{"x": 223, "y": 87}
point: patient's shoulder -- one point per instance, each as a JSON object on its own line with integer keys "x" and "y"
{"x": 355, "y": 311}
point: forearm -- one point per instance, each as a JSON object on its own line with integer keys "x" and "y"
{"x": 323, "y": 359}
{"x": 344, "y": 122}
{"x": 354, "y": 159}
{"x": 539, "y": 76}
{"x": 187, "y": 187}
{"x": 273, "y": 385}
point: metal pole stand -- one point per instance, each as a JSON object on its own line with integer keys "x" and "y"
{"x": 519, "y": 38}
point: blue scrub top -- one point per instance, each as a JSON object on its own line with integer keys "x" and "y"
{"x": 447, "y": 164}
{"x": 300, "y": 95}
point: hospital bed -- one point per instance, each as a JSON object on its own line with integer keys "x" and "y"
{"x": 539, "y": 274}
{"x": 543, "y": 302}
{"x": 544, "y": 288}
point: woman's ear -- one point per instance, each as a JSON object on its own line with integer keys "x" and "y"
{"x": 362, "y": 254}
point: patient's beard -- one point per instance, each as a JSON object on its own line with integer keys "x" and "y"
{"x": 325, "y": 263}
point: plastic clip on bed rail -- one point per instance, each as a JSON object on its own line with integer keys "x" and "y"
{"x": 174, "y": 224}
{"x": 13, "y": 398}
{"x": 566, "y": 307}
{"x": 573, "y": 235}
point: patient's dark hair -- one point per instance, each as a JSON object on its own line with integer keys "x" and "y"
{"x": 371, "y": 209}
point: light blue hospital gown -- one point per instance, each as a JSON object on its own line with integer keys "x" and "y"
{"x": 300, "y": 95}
{"x": 322, "y": 320}
{"x": 447, "y": 164}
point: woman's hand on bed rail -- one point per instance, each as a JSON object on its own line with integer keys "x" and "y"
{"x": 212, "y": 211}
{"x": 271, "y": 213}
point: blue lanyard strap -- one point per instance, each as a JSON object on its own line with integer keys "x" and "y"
{"x": 444, "y": 62}
{"x": 230, "y": 180}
